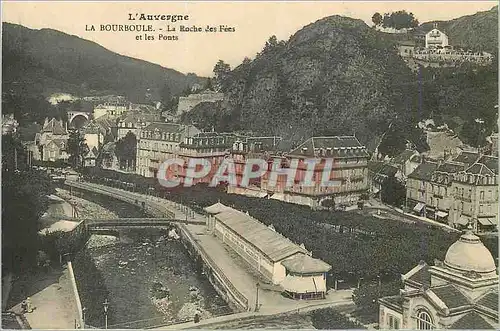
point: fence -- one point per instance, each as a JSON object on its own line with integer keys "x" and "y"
{"x": 162, "y": 211}
{"x": 149, "y": 207}
{"x": 242, "y": 300}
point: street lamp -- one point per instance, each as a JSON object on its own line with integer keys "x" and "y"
{"x": 105, "y": 305}
{"x": 83, "y": 317}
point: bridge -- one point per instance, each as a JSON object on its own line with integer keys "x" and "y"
{"x": 232, "y": 280}
{"x": 130, "y": 221}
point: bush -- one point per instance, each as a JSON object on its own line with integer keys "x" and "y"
{"x": 355, "y": 245}
{"x": 92, "y": 289}
{"x": 330, "y": 319}
{"x": 366, "y": 296}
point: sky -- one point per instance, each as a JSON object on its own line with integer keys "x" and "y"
{"x": 197, "y": 52}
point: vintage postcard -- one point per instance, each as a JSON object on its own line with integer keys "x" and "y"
{"x": 249, "y": 165}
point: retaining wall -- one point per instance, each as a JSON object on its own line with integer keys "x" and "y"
{"x": 76, "y": 294}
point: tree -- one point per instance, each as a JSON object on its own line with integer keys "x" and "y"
{"x": 366, "y": 296}
{"x": 221, "y": 71}
{"x": 24, "y": 200}
{"x": 126, "y": 150}
{"x": 165, "y": 95}
{"x": 14, "y": 155}
{"x": 328, "y": 318}
{"x": 271, "y": 43}
{"x": 393, "y": 192}
{"x": 208, "y": 84}
{"x": 77, "y": 148}
{"x": 246, "y": 60}
{"x": 399, "y": 20}
{"x": 377, "y": 19}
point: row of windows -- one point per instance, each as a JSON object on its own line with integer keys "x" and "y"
{"x": 481, "y": 209}
{"x": 156, "y": 145}
{"x": 161, "y": 136}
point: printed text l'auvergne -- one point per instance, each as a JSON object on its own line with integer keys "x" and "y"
{"x": 157, "y": 17}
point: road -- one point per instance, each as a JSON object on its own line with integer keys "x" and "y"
{"x": 270, "y": 302}
{"x": 388, "y": 212}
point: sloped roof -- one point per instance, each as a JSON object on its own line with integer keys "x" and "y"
{"x": 92, "y": 153}
{"x": 58, "y": 142}
{"x": 270, "y": 243}
{"x": 423, "y": 171}
{"x": 490, "y": 300}
{"x": 472, "y": 321}
{"x": 491, "y": 162}
{"x": 216, "y": 208}
{"x": 406, "y": 43}
{"x": 451, "y": 296}
{"x": 403, "y": 157}
{"x": 382, "y": 168}
{"x": 479, "y": 169}
{"x": 54, "y": 126}
{"x": 304, "y": 264}
{"x": 450, "y": 167}
{"x": 171, "y": 128}
{"x": 136, "y": 117}
{"x": 467, "y": 157}
{"x": 422, "y": 276}
{"x": 395, "y": 302}
{"x": 341, "y": 146}
{"x": 266, "y": 143}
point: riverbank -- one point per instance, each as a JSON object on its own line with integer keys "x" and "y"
{"x": 134, "y": 265}
{"x": 146, "y": 267}
{"x": 49, "y": 289}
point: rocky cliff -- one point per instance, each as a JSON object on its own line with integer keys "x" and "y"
{"x": 336, "y": 76}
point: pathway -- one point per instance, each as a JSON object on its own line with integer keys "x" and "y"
{"x": 375, "y": 205}
{"x": 51, "y": 292}
{"x": 52, "y": 296}
{"x": 271, "y": 302}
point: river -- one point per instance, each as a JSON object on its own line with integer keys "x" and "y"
{"x": 150, "y": 277}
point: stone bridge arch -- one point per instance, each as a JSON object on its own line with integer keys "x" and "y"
{"x": 76, "y": 117}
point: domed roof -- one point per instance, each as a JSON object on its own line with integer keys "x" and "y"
{"x": 469, "y": 254}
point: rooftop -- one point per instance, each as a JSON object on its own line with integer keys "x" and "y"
{"x": 450, "y": 167}
{"x": 490, "y": 300}
{"x": 54, "y": 126}
{"x": 403, "y": 157}
{"x": 472, "y": 321}
{"x": 491, "y": 162}
{"x": 304, "y": 264}
{"x": 381, "y": 168}
{"x": 340, "y": 146}
{"x": 269, "y": 242}
{"x": 216, "y": 208}
{"x": 451, "y": 296}
{"x": 479, "y": 169}
{"x": 160, "y": 127}
{"x": 422, "y": 276}
{"x": 467, "y": 158}
{"x": 423, "y": 171}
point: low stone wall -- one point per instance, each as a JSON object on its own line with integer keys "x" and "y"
{"x": 76, "y": 294}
